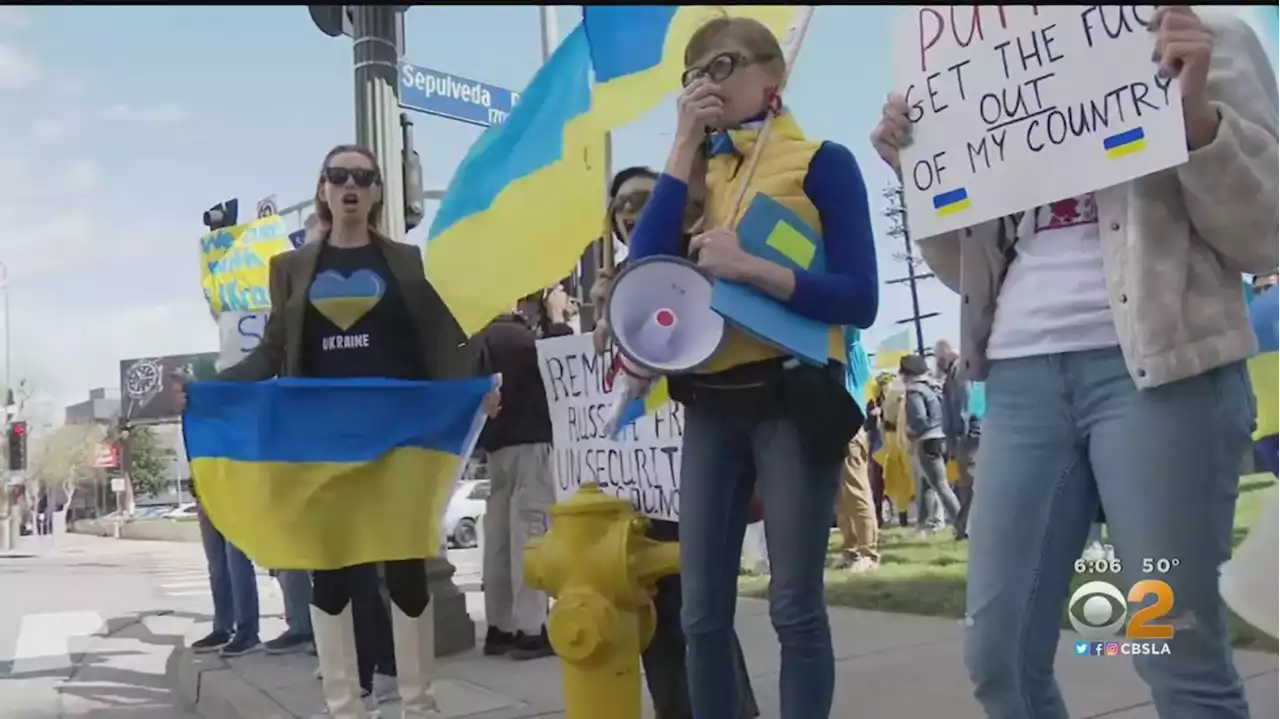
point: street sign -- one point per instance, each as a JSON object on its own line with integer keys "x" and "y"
{"x": 457, "y": 98}
{"x": 117, "y": 484}
{"x": 267, "y": 207}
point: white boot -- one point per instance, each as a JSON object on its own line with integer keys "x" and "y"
{"x": 339, "y": 676}
{"x": 1248, "y": 583}
{"x": 415, "y": 646}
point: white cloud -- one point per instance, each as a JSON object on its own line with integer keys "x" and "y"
{"x": 159, "y": 115}
{"x": 11, "y": 16}
{"x": 50, "y": 129}
{"x": 16, "y": 70}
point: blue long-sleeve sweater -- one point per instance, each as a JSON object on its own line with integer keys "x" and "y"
{"x": 848, "y": 293}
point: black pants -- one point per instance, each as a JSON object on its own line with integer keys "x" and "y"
{"x": 663, "y": 659}
{"x": 375, "y": 646}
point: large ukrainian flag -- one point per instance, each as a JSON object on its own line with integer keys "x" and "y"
{"x": 526, "y": 200}
{"x": 323, "y": 474}
{"x": 637, "y": 51}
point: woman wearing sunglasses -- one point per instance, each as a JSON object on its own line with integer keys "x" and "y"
{"x": 752, "y": 405}
{"x": 664, "y": 658}
{"x": 356, "y": 304}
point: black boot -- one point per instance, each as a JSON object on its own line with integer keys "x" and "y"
{"x": 533, "y": 646}
{"x": 498, "y": 642}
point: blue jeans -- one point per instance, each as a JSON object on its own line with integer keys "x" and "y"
{"x": 1063, "y": 433}
{"x": 295, "y": 585}
{"x": 233, "y": 584}
{"x": 799, "y": 503}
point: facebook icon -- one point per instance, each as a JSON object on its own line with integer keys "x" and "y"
{"x": 1097, "y": 649}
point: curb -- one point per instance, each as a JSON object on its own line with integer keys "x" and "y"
{"x": 207, "y": 683}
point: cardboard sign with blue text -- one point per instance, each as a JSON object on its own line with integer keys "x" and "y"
{"x": 642, "y": 466}
{"x": 1017, "y": 106}
{"x": 238, "y": 334}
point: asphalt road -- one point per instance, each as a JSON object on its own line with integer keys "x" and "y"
{"x": 86, "y": 631}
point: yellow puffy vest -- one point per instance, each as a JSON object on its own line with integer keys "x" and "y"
{"x": 779, "y": 175}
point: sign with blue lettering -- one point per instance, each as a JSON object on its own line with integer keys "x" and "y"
{"x": 457, "y": 98}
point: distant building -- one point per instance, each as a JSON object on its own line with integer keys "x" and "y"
{"x": 102, "y": 407}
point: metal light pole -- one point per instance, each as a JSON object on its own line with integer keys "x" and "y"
{"x": 378, "y": 31}
{"x": 8, "y": 344}
{"x": 897, "y": 214}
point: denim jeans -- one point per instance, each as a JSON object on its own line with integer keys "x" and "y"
{"x": 798, "y": 501}
{"x": 1063, "y": 433}
{"x": 232, "y": 582}
{"x": 295, "y": 585}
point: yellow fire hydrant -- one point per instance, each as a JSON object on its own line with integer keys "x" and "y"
{"x": 597, "y": 563}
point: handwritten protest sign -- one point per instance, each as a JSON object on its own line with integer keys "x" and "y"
{"x": 233, "y": 264}
{"x": 642, "y": 466}
{"x": 1017, "y": 106}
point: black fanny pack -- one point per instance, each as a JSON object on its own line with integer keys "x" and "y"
{"x": 814, "y": 398}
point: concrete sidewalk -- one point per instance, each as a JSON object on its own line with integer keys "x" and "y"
{"x": 887, "y": 665}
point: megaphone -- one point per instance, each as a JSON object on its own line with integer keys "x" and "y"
{"x": 659, "y": 312}
{"x": 1249, "y": 583}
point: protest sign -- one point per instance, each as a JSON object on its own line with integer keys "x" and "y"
{"x": 233, "y": 264}
{"x": 642, "y": 466}
{"x": 1017, "y": 106}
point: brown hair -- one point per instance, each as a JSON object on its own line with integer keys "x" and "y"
{"x": 754, "y": 36}
{"x": 322, "y": 208}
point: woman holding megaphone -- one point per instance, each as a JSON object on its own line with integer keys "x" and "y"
{"x": 664, "y": 658}
{"x": 753, "y": 405}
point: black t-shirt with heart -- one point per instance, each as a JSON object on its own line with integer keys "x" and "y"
{"x": 357, "y": 323}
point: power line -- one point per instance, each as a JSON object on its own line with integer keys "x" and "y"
{"x": 896, "y": 212}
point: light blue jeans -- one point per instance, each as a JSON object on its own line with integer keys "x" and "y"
{"x": 295, "y": 585}
{"x": 1061, "y": 433}
{"x": 799, "y": 504}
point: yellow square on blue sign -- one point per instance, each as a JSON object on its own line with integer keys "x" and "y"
{"x": 791, "y": 244}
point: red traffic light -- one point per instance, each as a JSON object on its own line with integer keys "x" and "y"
{"x": 18, "y": 428}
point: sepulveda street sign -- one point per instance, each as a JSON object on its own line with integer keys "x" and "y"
{"x": 453, "y": 96}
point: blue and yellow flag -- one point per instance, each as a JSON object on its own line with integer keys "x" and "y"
{"x": 323, "y": 474}
{"x": 1264, "y": 367}
{"x": 527, "y": 199}
{"x": 637, "y": 51}
{"x": 892, "y": 349}
{"x": 233, "y": 264}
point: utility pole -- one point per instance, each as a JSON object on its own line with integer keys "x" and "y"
{"x": 378, "y": 44}
{"x": 897, "y": 214}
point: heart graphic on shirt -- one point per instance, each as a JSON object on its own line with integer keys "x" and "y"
{"x": 344, "y": 300}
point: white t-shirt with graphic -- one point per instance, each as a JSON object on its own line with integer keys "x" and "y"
{"x": 1054, "y": 296}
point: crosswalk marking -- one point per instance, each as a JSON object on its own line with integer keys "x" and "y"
{"x": 44, "y": 639}
{"x": 188, "y": 576}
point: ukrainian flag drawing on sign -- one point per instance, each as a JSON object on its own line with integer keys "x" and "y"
{"x": 323, "y": 474}
{"x": 234, "y": 264}
{"x": 637, "y": 51}
{"x": 526, "y": 200}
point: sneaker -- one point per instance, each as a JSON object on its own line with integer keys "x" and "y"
{"x": 239, "y": 647}
{"x": 370, "y": 708}
{"x": 211, "y": 643}
{"x": 864, "y": 565}
{"x": 288, "y": 643}
{"x": 527, "y": 647}
{"x": 497, "y": 642}
{"x": 386, "y": 688}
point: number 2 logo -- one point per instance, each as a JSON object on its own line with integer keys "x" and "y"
{"x": 1144, "y": 623}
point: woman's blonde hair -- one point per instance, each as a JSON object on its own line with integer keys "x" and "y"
{"x": 754, "y": 36}
{"x": 323, "y": 211}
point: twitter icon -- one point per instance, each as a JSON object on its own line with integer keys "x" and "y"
{"x": 1082, "y": 649}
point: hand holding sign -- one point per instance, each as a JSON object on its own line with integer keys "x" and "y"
{"x": 893, "y": 132}
{"x": 1183, "y": 48}
{"x": 1014, "y": 107}
{"x": 718, "y": 253}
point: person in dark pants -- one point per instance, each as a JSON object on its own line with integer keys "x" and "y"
{"x": 664, "y": 658}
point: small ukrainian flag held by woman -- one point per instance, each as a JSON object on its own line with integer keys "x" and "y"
{"x": 281, "y": 464}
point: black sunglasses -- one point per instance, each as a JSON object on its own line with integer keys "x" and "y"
{"x": 363, "y": 177}
{"x": 720, "y": 67}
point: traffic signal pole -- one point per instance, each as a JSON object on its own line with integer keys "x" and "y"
{"x": 377, "y": 46}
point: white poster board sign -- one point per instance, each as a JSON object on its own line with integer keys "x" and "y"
{"x": 642, "y": 466}
{"x": 238, "y": 334}
{"x": 1018, "y": 106}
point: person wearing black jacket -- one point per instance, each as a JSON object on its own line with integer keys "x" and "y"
{"x": 664, "y": 658}
{"x": 521, "y": 486}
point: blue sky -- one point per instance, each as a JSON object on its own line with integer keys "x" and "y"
{"x": 112, "y": 144}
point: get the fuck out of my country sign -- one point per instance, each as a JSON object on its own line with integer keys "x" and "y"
{"x": 1017, "y": 106}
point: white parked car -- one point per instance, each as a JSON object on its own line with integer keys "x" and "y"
{"x": 461, "y": 517}
{"x": 185, "y": 510}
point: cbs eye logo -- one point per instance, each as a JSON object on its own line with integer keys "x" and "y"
{"x": 1098, "y": 610}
